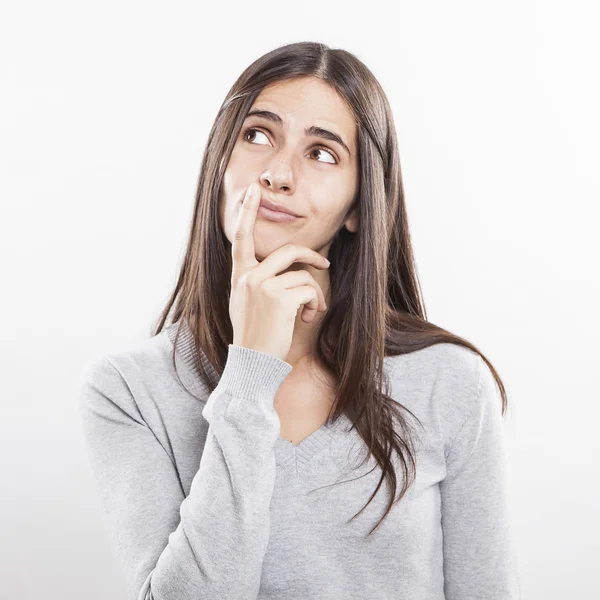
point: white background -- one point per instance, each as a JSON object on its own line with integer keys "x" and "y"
{"x": 104, "y": 112}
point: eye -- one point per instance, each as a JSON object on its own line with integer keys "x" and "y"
{"x": 252, "y": 130}
{"x": 322, "y": 149}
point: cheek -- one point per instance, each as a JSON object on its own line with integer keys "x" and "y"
{"x": 227, "y": 206}
{"x": 229, "y": 191}
{"x": 327, "y": 204}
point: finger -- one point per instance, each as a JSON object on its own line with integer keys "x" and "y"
{"x": 293, "y": 279}
{"x": 242, "y": 247}
{"x": 304, "y": 295}
{"x": 285, "y": 256}
{"x": 308, "y": 315}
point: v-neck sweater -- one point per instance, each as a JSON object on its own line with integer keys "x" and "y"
{"x": 202, "y": 498}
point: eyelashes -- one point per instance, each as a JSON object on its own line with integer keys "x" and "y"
{"x": 318, "y": 147}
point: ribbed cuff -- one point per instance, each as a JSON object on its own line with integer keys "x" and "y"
{"x": 251, "y": 373}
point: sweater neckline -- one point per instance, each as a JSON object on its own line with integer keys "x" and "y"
{"x": 288, "y": 455}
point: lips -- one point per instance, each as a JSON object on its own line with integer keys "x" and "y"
{"x": 277, "y": 207}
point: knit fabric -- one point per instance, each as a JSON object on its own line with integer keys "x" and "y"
{"x": 202, "y": 498}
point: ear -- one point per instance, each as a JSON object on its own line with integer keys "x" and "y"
{"x": 351, "y": 222}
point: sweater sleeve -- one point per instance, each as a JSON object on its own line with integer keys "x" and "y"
{"x": 479, "y": 556}
{"x": 210, "y": 544}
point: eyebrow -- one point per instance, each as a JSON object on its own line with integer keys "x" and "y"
{"x": 313, "y": 130}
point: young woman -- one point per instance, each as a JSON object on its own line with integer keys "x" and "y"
{"x": 245, "y": 449}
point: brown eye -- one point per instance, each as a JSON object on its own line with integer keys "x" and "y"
{"x": 320, "y": 149}
{"x": 251, "y": 130}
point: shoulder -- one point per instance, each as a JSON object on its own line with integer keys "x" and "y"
{"x": 117, "y": 376}
{"x": 145, "y": 356}
{"x": 454, "y": 366}
{"x": 444, "y": 381}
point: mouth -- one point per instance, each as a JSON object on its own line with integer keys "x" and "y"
{"x": 275, "y": 215}
{"x": 273, "y": 207}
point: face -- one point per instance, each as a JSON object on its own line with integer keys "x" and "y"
{"x": 316, "y": 178}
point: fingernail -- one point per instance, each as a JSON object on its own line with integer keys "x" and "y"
{"x": 328, "y": 262}
{"x": 253, "y": 190}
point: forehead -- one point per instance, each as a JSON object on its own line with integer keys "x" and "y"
{"x": 307, "y": 101}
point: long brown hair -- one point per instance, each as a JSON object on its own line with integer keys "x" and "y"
{"x": 383, "y": 316}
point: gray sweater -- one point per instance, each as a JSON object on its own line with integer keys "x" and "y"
{"x": 204, "y": 500}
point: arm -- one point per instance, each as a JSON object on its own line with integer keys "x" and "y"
{"x": 480, "y": 561}
{"x": 210, "y": 544}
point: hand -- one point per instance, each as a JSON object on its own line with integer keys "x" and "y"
{"x": 263, "y": 305}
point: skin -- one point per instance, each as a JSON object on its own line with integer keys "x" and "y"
{"x": 300, "y": 172}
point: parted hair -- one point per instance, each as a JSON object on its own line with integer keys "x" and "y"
{"x": 383, "y": 315}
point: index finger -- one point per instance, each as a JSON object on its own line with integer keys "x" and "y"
{"x": 242, "y": 246}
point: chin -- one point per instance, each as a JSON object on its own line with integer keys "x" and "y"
{"x": 263, "y": 247}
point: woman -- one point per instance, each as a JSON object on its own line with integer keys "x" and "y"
{"x": 241, "y": 451}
